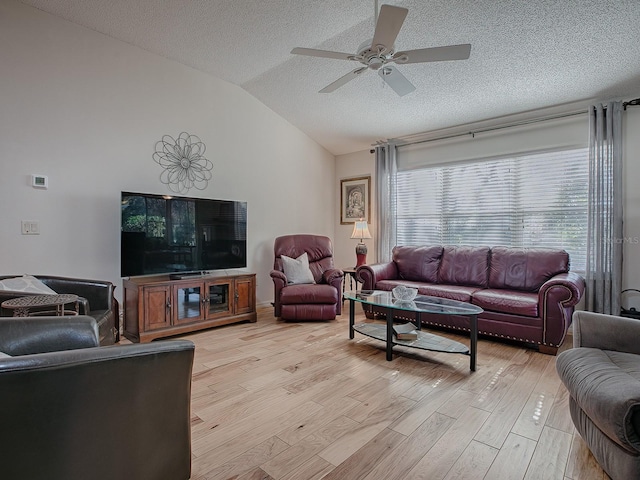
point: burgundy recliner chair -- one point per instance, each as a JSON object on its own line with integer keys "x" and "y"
{"x": 312, "y": 301}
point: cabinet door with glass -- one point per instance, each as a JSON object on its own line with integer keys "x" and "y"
{"x": 189, "y": 303}
{"x": 218, "y": 301}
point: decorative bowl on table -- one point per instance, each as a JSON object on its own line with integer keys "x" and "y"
{"x": 404, "y": 294}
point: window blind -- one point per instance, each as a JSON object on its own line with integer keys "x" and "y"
{"x": 528, "y": 200}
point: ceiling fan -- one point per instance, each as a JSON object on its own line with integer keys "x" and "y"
{"x": 379, "y": 54}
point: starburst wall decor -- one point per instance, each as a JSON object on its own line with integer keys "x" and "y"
{"x": 184, "y": 163}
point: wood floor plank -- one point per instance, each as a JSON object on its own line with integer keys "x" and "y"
{"x": 246, "y": 463}
{"x": 582, "y": 465}
{"x": 539, "y": 404}
{"x": 474, "y": 462}
{"x": 551, "y": 455}
{"x": 445, "y": 453}
{"x": 513, "y": 460}
{"x": 308, "y": 447}
{"x": 364, "y": 460}
{"x": 397, "y": 465}
{"x": 314, "y": 469}
{"x": 504, "y": 416}
{"x": 559, "y": 416}
{"x": 352, "y": 441}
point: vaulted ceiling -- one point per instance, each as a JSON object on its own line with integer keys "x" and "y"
{"x": 525, "y": 55}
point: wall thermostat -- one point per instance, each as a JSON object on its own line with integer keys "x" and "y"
{"x": 39, "y": 181}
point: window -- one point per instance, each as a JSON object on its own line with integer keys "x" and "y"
{"x": 532, "y": 200}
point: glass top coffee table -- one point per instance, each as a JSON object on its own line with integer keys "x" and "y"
{"x": 421, "y": 305}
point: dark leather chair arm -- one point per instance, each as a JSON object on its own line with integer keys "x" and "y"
{"x": 98, "y": 293}
{"x": 30, "y": 335}
{"x": 103, "y": 413}
{"x": 369, "y": 275}
{"x": 556, "y": 299}
{"x": 332, "y": 275}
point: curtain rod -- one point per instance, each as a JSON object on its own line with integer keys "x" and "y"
{"x": 398, "y": 142}
{"x": 634, "y": 103}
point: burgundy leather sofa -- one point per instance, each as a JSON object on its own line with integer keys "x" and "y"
{"x": 313, "y": 301}
{"x": 527, "y": 294}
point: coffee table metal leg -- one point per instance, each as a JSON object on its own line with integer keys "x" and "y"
{"x": 473, "y": 320}
{"x": 389, "y": 334}
{"x": 352, "y": 316}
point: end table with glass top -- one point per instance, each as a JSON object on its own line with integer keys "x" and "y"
{"x": 351, "y": 273}
{"x": 421, "y": 305}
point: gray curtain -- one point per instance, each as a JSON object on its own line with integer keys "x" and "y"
{"x": 604, "y": 236}
{"x": 386, "y": 170}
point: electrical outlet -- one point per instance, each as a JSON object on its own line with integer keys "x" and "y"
{"x": 30, "y": 227}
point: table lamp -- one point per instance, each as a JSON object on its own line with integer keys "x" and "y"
{"x": 361, "y": 230}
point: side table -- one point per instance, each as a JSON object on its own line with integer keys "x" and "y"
{"x": 351, "y": 272}
{"x": 22, "y": 306}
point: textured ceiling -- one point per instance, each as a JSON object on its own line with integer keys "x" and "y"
{"x": 525, "y": 55}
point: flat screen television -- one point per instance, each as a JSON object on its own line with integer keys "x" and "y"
{"x": 163, "y": 234}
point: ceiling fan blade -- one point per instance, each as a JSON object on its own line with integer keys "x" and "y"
{"x": 435, "y": 54}
{"x": 396, "y": 80}
{"x": 342, "y": 80}
{"x": 312, "y": 52}
{"x": 388, "y": 26}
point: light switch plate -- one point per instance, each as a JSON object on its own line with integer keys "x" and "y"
{"x": 30, "y": 227}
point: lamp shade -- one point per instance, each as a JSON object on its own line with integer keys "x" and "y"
{"x": 360, "y": 230}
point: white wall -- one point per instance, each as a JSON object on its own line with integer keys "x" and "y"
{"x": 353, "y": 165}
{"x": 87, "y": 110}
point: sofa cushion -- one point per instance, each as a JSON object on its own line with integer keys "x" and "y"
{"x": 507, "y": 301}
{"x": 418, "y": 263}
{"x": 464, "y": 266}
{"x": 317, "y": 293}
{"x": 606, "y": 386}
{"x": 525, "y": 268}
{"x": 460, "y": 293}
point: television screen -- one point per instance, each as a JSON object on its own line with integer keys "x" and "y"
{"x": 168, "y": 234}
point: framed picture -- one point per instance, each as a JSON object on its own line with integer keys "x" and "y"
{"x": 355, "y": 201}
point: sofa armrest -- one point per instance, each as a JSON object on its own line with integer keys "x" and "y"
{"x": 30, "y": 335}
{"x": 606, "y": 332}
{"x": 572, "y": 284}
{"x": 556, "y": 299}
{"x": 66, "y": 411}
{"x": 369, "y": 275}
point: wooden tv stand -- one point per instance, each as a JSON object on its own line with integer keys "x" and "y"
{"x": 156, "y": 307}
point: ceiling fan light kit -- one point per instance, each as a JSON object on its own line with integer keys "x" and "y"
{"x": 378, "y": 54}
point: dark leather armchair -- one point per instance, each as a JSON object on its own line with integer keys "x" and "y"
{"x": 318, "y": 301}
{"x": 71, "y": 410}
{"x": 96, "y": 299}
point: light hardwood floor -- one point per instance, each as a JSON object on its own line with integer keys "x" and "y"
{"x": 297, "y": 401}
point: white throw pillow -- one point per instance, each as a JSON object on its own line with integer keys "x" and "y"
{"x": 297, "y": 269}
{"x": 25, "y": 283}
{"x": 4, "y": 355}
